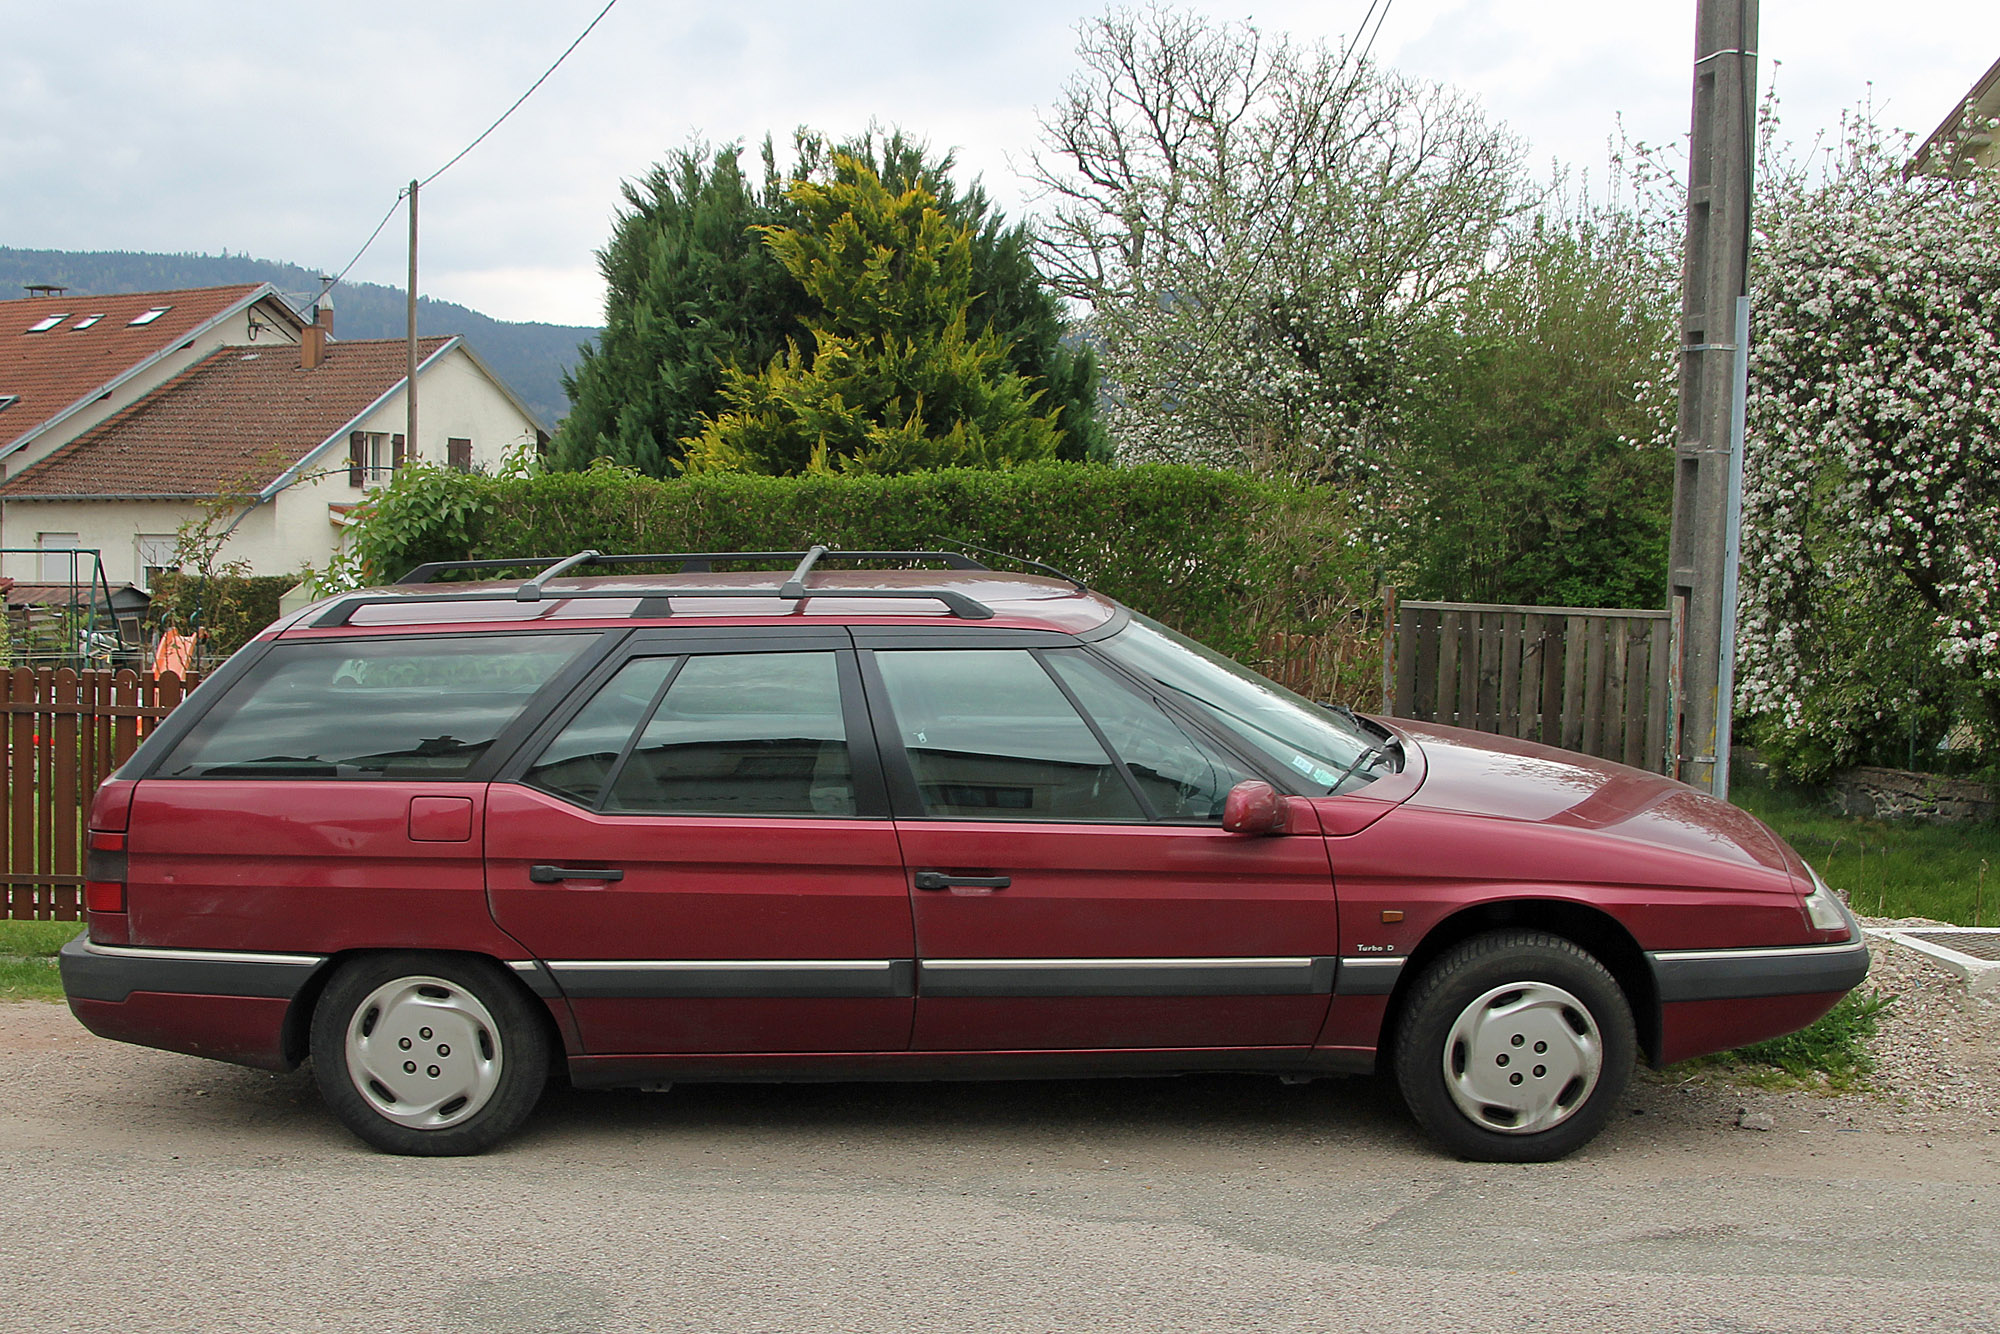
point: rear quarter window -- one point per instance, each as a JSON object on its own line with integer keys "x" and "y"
{"x": 384, "y": 709}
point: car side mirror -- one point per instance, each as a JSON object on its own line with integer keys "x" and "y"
{"x": 1253, "y": 807}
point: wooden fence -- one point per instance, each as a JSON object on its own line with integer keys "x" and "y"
{"x": 65, "y": 732}
{"x": 1588, "y": 679}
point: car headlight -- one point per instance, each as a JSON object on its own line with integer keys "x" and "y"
{"x": 1823, "y": 907}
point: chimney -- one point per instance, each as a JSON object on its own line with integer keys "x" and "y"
{"x": 312, "y": 343}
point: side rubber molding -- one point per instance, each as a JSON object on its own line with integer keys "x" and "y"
{"x": 114, "y": 972}
{"x": 1800, "y": 970}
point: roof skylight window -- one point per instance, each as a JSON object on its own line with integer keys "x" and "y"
{"x": 86, "y": 322}
{"x": 8, "y": 401}
{"x": 47, "y": 323}
{"x": 148, "y": 317}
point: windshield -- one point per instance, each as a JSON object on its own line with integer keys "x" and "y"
{"x": 1328, "y": 753}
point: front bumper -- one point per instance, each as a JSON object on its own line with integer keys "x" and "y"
{"x": 1715, "y": 1000}
{"x": 1749, "y": 974}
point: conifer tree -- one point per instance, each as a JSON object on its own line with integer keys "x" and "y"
{"x": 692, "y": 290}
{"x": 896, "y": 379}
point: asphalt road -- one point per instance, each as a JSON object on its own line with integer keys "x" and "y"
{"x": 142, "y": 1191}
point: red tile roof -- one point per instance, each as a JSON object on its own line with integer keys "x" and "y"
{"x": 49, "y": 371}
{"x": 231, "y": 424}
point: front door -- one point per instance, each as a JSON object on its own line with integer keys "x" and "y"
{"x": 1072, "y": 885}
{"x": 701, "y": 855}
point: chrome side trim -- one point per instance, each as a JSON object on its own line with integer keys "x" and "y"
{"x": 202, "y": 956}
{"x": 1770, "y": 952}
{"x": 1368, "y": 975}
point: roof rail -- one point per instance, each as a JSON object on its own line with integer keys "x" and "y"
{"x": 691, "y": 562}
{"x": 659, "y": 602}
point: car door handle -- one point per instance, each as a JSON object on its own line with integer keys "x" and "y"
{"x": 940, "y": 880}
{"x": 549, "y": 875}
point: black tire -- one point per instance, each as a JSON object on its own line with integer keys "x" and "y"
{"x": 430, "y": 1055}
{"x": 1494, "y": 1053}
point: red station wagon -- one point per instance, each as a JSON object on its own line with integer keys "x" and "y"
{"x": 903, "y": 823}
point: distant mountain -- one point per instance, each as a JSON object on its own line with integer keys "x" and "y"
{"x": 531, "y": 358}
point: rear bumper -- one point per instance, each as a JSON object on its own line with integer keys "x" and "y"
{"x": 226, "y": 1005}
{"x": 113, "y": 972}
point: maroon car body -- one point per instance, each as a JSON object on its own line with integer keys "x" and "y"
{"x": 894, "y": 922}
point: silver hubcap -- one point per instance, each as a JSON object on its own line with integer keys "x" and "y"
{"x": 423, "y": 1052}
{"x": 1522, "y": 1058}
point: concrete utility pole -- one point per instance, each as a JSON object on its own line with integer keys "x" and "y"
{"x": 1701, "y": 583}
{"x": 410, "y": 403}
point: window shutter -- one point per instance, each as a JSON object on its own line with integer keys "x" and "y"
{"x": 395, "y": 452}
{"x": 357, "y": 459}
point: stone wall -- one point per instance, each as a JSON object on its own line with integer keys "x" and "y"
{"x": 1898, "y": 794}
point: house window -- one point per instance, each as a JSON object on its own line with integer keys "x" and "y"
{"x": 85, "y": 322}
{"x": 58, "y": 563}
{"x": 47, "y": 323}
{"x": 458, "y": 454}
{"x": 149, "y": 316}
{"x": 372, "y": 456}
{"x": 156, "y": 556}
{"x": 8, "y": 401}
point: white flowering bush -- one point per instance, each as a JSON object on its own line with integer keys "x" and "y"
{"x": 1871, "y": 547}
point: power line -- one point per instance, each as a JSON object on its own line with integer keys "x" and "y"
{"x": 404, "y": 193}
{"x": 523, "y": 97}
{"x": 1387, "y": 4}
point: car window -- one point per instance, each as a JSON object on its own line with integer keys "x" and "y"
{"x": 990, "y": 737}
{"x": 1324, "y": 750}
{"x": 413, "y": 709}
{"x": 742, "y": 734}
{"x": 1182, "y": 776}
{"x": 579, "y": 761}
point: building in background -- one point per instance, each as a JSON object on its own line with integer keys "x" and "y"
{"x": 1963, "y": 140}
{"x": 140, "y": 412}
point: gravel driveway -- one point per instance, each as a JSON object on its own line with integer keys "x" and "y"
{"x": 145, "y": 1191}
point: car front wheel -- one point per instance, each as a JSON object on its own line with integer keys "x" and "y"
{"x": 428, "y": 1055}
{"x": 1514, "y": 1047}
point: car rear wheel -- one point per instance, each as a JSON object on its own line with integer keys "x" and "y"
{"x": 428, "y": 1055}
{"x": 1514, "y": 1047}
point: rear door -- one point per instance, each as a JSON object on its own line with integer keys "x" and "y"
{"x": 700, "y": 850}
{"x": 1072, "y": 885}
{"x": 331, "y": 796}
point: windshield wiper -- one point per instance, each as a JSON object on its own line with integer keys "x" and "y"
{"x": 1348, "y": 772}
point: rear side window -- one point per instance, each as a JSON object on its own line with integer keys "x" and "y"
{"x": 386, "y": 709}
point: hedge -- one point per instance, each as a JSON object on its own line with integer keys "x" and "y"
{"x": 230, "y": 608}
{"x": 1223, "y": 557}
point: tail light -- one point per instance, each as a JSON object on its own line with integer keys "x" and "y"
{"x": 104, "y": 872}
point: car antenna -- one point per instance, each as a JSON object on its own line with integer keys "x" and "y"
{"x": 1079, "y": 585}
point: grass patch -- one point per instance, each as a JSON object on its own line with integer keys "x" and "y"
{"x": 1830, "y": 1056}
{"x": 36, "y": 938}
{"x": 30, "y": 979}
{"x": 1885, "y": 868}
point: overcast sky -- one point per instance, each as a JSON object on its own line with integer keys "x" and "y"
{"x": 284, "y": 129}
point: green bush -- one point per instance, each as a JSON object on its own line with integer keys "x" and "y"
{"x": 1218, "y": 555}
